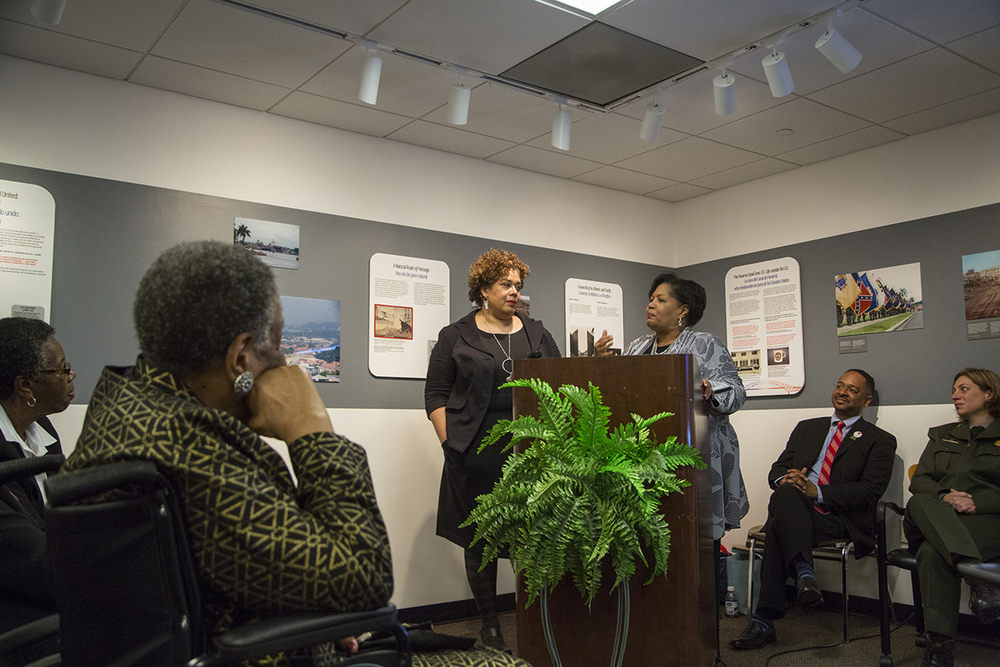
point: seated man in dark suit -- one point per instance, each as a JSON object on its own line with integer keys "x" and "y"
{"x": 826, "y": 485}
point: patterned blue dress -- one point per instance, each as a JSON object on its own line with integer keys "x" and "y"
{"x": 729, "y": 495}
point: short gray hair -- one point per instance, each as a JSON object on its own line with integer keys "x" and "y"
{"x": 196, "y": 298}
{"x": 22, "y": 350}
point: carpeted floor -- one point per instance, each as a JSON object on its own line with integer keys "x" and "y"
{"x": 800, "y": 629}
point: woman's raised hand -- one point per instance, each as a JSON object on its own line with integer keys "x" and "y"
{"x": 284, "y": 404}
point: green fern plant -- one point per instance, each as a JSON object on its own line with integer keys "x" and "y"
{"x": 581, "y": 493}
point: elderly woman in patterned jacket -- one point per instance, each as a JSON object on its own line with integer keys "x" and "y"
{"x": 675, "y": 306}
{"x": 210, "y": 381}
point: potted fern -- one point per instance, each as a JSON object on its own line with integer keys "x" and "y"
{"x": 580, "y": 494}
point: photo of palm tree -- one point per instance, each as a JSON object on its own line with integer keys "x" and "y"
{"x": 275, "y": 243}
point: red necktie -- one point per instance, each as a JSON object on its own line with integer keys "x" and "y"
{"x": 831, "y": 451}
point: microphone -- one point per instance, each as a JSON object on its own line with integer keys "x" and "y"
{"x": 535, "y": 355}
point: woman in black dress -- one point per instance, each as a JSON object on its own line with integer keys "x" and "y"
{"x": 473, "y": 357}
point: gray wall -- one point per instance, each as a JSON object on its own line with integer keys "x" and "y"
{"x": 909, "y": 367}
{"x": 108, "y": 233}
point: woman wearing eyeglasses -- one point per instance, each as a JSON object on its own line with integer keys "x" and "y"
{"x": 35, "y": 381}
{"x": 473, "y": 357}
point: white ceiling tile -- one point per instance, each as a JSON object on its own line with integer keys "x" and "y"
{"x": 742, "y": 174}
{"x": 879, "y": 42}
{"x": 676, "y": 193}
{"x": 45, "y": 46}
{"x": 623, "y": 179}
{"x": 449, "y": 138}
{"x": 808, "y": 121}
{"x": 405, "y": 87}
{"x": 919, "y": 72}
{"x": 923, "y": 81}
{"x": 707, "y": 29}
{"x": 688, "y": 159}
{"x": 130, "y": 24}
{"x": 498, "y": 111}
{"x": 547, "y": 162}
{"x": 489, "y": 36}
{"x": 983, "y": 47}
{"x": 690, "y": 104}
{"x": 335, "y": 113}
{"x": 608, "y": 138}
{"x": 872, "y": 135}
{"x": 209, "y": 84}
{"x": 941, "y": 21}
{"x": 967, "y": 108}
{"x": 357, "y": 17}
{"x": 237, "y": 41}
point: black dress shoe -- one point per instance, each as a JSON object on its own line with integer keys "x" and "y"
{"x": 984, "y": 602}
{"x": 756, "y": 635}
{"x": 939, "y": 655}
{"x": 493, "y": 638}
{"x": 809, "y": 594}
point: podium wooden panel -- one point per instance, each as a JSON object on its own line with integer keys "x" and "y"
{"x": 673, "y": 620}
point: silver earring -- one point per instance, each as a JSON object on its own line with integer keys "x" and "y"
{"x": 680, "y": 321}
{"x": 243, "y": 384}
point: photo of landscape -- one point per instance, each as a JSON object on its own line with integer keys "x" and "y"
{"x": 311, "y": 337}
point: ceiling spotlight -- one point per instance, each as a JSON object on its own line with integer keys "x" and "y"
{"x": 838, "y": 50}
{"x": 561, "y": 122}
{"x": 48, "y": 11}
{"x": 458, "y": 102}
{"x": 725, "y": 93}
{"x": 777, "y": 73}
{"x": 371, "y": 71}
{"x": 652, "y": 122}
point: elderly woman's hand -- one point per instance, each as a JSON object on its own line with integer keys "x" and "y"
{"x": 284, "y": 404}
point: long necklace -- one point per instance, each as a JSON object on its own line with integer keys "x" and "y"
{"x": 506, "y": 353}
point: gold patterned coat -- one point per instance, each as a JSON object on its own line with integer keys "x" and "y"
{"x": 262, "y": 545}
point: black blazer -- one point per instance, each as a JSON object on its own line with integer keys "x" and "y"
{"x": 25, "y": 594}
{"x": 859, "y": 476}
{"x": 460, "y": 375}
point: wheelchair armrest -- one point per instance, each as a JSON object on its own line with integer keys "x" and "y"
{"x": 15, "y": 469}
{"x": 81, "y": 484}
{"x": 29, "y": 633}
{"x": 272, "y": 635}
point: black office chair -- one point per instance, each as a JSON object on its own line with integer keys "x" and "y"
{"x": 835, "y": 550}
{"x": 33, "y": 639}
{"x": 127, "y": 591}
{"x": 905, "y": 559}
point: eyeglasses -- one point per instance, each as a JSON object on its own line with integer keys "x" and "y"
{"x": 65, "y": 370}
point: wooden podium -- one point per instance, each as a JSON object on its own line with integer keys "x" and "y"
{"x": 673, "y": 619}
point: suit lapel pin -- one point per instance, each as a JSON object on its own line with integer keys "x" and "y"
{"x": 855, "y": 435}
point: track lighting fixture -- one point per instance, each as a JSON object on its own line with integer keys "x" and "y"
{"x": 838, "y": 50}
{"x": 652, "y": 121}
{"x": 725, "y": 93}
{"x": 371, "y": 72}
{"x": 777, "y": 73}
{"x": 458, "y": 102}
{"x": 561, "y": 122}
{"x": 48, "y": 11}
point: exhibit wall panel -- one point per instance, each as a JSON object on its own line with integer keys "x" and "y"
{"x": 912, "y": 367}
{"x": 107, "y": 234}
